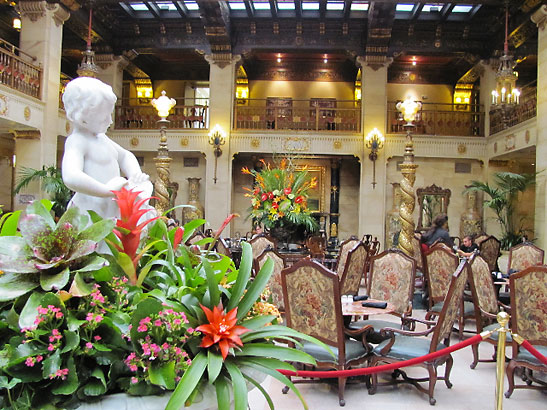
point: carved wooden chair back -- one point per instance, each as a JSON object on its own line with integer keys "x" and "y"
{"x": 489, "y": 248}
{"x": 343, "y": 251}
{"x": 261, "y": 242}
{"x": 354, "y": 270}
{"x": 274, "y": 284}
{"x": 317, "y": 246}
{"x": 524, "y": 255}
{"x": 440, "y": 264}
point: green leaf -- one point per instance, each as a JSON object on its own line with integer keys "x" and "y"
{"x": 51, "y": 364}
{"x": 42, "y": 208}
{"x": 58, "y": 281}
{"x": 5, "y": 384}
{"x": 212, "y": 284}
{"x": 163, "y": 375}
{"x": 214, "y": 365}
{"x": 276, "y": 352}
{"x": 79, "y": 286}
{"x": 256, "y": 288}
{"x": 243, "y": 276}
{"x": 223, "y": 393}
{"x": 70, "y": 384}
{"x": 93, "y": 264}
{"x": 188, "y": 382}
{"x": 94, "y": 388}
{"x": 127, "y": 266}
{"x": 258, "y": 322}
{"x": 261, "y": 389}
{"x": 190, "y": 227}
{"x": 98, "y": 231}
{"x": 30, "y": 310}
{"x": 13, "y": 285}
{"x": 239, "y": 386}
{"x": 9, "y": 223}
{"x": 72, "y": 341}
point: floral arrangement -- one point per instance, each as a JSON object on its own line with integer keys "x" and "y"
{"x": 280, "y": 196}
{"x": 153, "y": 316}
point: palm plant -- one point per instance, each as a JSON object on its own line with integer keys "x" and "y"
{"x": 503, "y": 201}
{"x": 52, "y": 183}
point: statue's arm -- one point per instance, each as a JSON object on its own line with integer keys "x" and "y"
{"x": 75, "y": 178}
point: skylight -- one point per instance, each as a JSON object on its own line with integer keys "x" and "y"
{"x": 431, "y": 8}
{"x": 404, "y": 7}
{"x": 335, "y": 5}
{"x": 462, "y": 8}
{"x": 164, "y": 5}
{"x": 138, "y": 6}
{"x": 285, "y": 5}
{"x": 261, "y": 5}
{"x": 358, "y": 6}
{"x": 310, "y": 5}
{"x": 236, "y": 5}
{"x": 191, "y": 5}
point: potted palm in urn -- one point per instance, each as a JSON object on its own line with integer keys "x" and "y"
{"x": 153, "y": 316}
{"x": 279, "y": 200}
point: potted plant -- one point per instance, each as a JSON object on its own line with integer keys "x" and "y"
{"x": 279, "y": 199}
{"x": 502, "y": 200}
{"x": 154, "y": 316}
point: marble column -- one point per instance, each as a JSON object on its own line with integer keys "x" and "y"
{"x": 218, "y": 196}
{"x": 540, "y": 221}
{"x": 41, "y": 37}
{"x": 487, "y": 84}
{"x": 372, "y": 206}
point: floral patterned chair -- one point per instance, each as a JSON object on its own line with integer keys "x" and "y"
{"x": 274, "y": 284}
{"x": 312, "y": 306}
{"x": 528, "y": 319}
{"x": 343, "y": 251}
{"x": 261, "y": 242}
{"x": 440, "y": 261}
{"x": 222, "y": 247}
{"x": 391, "y": 279}
{"x": 489, "y": 248}
{"x": 524, "y": 255}
{"x": 404, "y": 345}
{"x": 354, "y": 270}
{"x": 486, "y": 304}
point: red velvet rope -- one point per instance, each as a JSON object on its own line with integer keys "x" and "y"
{"x": 534, "y": 351}
{"x": 386, "y": 367}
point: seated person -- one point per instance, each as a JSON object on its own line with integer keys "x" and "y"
{"x": 467, "y": 248}
{"x": 437, "y": 233}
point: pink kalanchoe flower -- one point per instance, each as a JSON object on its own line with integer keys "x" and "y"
{"x": 134, "y": 380}
{"x": 89, "y": 345}
{"x": 29, "y": 362}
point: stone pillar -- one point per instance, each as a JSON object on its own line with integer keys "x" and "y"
{"x": 41, "y": 37}
{"x": 487, "y": 84}
{"x": 112, "y": 71}
{"x": 374, "y": 114}
{"x": 540, "y": 221}
{"x": 218, "y": 196}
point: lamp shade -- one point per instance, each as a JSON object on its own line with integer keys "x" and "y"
{"x": 163, "y": 105}
{"x": 409, "y": 108}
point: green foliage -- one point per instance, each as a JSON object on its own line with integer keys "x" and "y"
{"x": 502, "y": 200}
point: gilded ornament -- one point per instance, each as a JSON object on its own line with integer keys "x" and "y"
{"x": 462, "y": 148}
{"x": 3, "y": 105}
{"x": 255, "y": 143}
{"x": 337, "y": 144}
{"x": 134, "y": 141}
{"x": 26, "y": 113}
{"x": 184, "y": 142}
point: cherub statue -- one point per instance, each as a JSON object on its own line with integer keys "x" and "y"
{"x": 93, "y": 165}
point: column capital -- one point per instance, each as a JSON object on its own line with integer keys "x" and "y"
{"x": 106, "y": 60}
{"x": 37, "y": 9}
{"x": 374, "y": 61}
{"x": 222, "y": 59}
{"x": 540, "y": 17}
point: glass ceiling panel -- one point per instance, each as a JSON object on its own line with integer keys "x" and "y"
{"x": 335, "y": 5}
{"x": 138, "y": 6}
{"x": 285, "y": 5}
{"x": 404, "y": 7}
{"x": 166, "y": 5}
{"x": 358, "y": 6}
{"x": 236, "y": 5}
{"x": 462, "y": 9}
{"x": 261, "y": 5}
{"x": 431, "y": 8}
{"x": 191, "y": 5}
{"x": 310, "y": 5}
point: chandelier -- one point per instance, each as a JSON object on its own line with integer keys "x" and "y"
{"x": 88, "y": 68}
{"x": 506, "y": 94}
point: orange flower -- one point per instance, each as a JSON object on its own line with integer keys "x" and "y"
{"x": 245, "y": 170}
{"x": 221, "y": 329}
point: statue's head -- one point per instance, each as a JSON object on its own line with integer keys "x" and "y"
{"x": 89, "y": 103}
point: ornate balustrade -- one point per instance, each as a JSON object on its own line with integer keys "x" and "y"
{"x": 465, "y": 120}
{"x": 298, "y": 115}
{"x": 130, "y": 115}
{"x": 501, "y": 119}
{"x": 16, "y": 72}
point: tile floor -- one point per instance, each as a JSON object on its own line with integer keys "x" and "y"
{"x": 472, "y": 389}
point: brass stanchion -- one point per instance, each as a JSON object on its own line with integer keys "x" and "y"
{"x": 503, "y": 320}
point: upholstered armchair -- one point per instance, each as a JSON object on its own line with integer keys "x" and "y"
{"x": 528, "y": 319}
{"x": 524, "y": 255}
{"x": 489, "y": 248}
{"x": 354, "y": 270}
{"x": 317, "y": 246}
{"x": 404, "y": 345}
{"x": 391, "y": 279}
{"x": 261, "y": 242}
{"x": 199, "y": 239}
{"x": 343, "y": 251}
{"x": 486, "y": 304}
{"x": 312, "y": 306}
{"x": 274, "y": 284}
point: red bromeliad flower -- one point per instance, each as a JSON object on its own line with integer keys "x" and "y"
{"x": 177, "y": 239}
{"x": 127, "y": 227}
{"x": 221, "y": 329}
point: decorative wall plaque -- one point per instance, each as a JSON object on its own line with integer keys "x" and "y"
{"x": 134, "y": 141}
{"x": 3, "y": 105}
{"x": 184, "y": 141}
{"x": 296, "y": 144}
{"x": 26, "y": 113}
{"x": 255, "y": 143}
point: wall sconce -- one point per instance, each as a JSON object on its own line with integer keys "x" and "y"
{"x": 16, "y": 23}
{"x": 217, "y": 137}
{"x": 375, "y": 142}
{"x": 163, "y": 105}
{"x": 144, "y": 90}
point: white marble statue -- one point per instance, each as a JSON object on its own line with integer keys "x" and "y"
{"x": 94, "y": 165}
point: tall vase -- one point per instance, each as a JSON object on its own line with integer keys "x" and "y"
{"x": 393, "y": 223}
{"x": 196, "y": 212}
{"x": 471, "y": 221}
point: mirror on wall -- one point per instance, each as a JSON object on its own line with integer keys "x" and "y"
{"x": 432, "y": 201}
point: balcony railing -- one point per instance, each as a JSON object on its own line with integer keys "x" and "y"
{"x": 441, "y": 119}
{"x": 300, "y": 115}
{"x": 501, "y": 119}
{"x": 129, "y": 115}
{"x": 17, "y": 73}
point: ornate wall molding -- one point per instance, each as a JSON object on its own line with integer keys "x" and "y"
{"x": 35, "y": 10}
{"x": 437, "y": 147}
{"x": 520, "y": 136}
{"x": 540, "y": 17}
{"x": 374, "y": 61}
{"x": 106, "y": 60}
{"x": 17, "y": 104}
